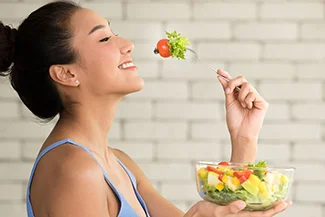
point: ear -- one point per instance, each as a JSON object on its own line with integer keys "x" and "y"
{"x": 63, "y": 75}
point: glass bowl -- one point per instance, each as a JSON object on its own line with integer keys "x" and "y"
{"x": 259, "y": 186}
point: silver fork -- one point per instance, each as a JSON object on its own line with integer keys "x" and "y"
{"x": 209, "y": 67}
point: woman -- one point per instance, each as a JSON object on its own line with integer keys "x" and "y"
{"x": 66, "y": 60}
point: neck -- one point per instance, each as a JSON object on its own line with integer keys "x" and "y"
{"x": 90, "y": 123}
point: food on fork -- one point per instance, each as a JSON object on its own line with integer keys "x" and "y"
{"x": 174, "y": 46}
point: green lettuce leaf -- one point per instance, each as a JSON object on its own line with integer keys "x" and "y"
{"x": 177, "y": 44}
{"x": 258, "y": 168}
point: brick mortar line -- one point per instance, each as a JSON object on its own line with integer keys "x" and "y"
{"x": 124, "y": 10}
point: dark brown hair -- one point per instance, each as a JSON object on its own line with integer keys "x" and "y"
{"x": 43, "y": 39}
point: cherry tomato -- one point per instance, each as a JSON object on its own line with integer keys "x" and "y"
{"x": 224, "y": 163}
{"x": 163, "y": 48}
{"x": 242, "y": 179}
{"x": 215, "y": 170}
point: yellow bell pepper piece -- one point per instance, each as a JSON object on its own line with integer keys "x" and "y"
{"x": 254, "y": 180}
{"x": 230, "y": 173}
{"x": 220, "y": 186}
{"x": 203, "y": 173}
{"x": 262, "y": 187}
{"x": 284, "y": 179}
{"x": 266, "y": 195}
{"x": 225, "y": 179}
{"x": 235, "y": 181}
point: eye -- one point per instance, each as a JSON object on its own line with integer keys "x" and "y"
{"x": 105, "y": 39}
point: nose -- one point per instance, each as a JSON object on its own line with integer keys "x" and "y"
{"x": 127, "y": 46}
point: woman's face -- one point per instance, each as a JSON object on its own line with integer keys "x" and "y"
{"x": 106, "y": 66}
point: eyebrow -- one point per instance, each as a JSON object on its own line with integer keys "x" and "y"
{"x": 98, "y": 27}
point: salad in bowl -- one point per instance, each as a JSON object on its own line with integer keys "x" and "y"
{"x": 258, "y": 185}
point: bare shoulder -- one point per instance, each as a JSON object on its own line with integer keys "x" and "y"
{"x": 73, "y": 182}
{"x": 129, "y": 163}
{"x": 68, "y": 161}
{"x": 121, "y": 155}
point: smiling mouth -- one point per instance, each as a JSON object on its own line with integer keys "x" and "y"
{"x": 126, "y": 65}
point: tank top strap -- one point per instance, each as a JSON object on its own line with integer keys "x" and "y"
{"x": 125, "y": 207}
{"x": 61, "y": 142}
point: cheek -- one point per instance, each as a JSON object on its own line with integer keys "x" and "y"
{"x": 104, "y": 59}
{"x": 101, "y": 63}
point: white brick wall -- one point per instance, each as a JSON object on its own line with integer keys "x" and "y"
{"x": 266, "y": 31}
{"x": 294, "y": 51}
{"x": 292, "y": 11}
{"x": 11, "y": 192}
{"x": 111, "y": 11}
{"x": 224, "y": 11}
{"x": 157, "y": 11}
{"x": 10, "y": 150}
{"x": 162, "y": 130}
{"x": 178, "y": 118}
{"x": 263, "y": 70}
{"x": 230, "y": 50}
{"x": 13, "y": 209}
{"x": 291, "y": 91}
{"x": 212, "y": 30}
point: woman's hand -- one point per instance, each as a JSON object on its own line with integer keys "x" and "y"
{"x": 245, "y": 112}
{"x": 234, "y": 209}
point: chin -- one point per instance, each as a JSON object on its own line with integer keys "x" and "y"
{"x": 140, "y": 85}
{"x": 136, "y": 85}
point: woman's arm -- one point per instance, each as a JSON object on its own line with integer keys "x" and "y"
{"x": 245, "y": 113}
{"x": 75, "y": 188}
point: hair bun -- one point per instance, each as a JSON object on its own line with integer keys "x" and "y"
{"x": 7, "y": 46}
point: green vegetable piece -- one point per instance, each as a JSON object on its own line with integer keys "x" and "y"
{"x": 258, "y": 168}
{"x": 177, "y": 44}
{"x": 252, "y": 189}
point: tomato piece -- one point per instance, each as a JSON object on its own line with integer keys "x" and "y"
{"x": 247, "y": 173}
{"x": 163, "y": 48}
{"x": 242, "y": 179}
{"x": 224, "y": 163}
{"x": 220, "y": 177}
{"x": 239, "y": 174}
{"x": 212, "y": 169}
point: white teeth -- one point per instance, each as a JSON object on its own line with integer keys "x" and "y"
{"x": 126, "y": 65}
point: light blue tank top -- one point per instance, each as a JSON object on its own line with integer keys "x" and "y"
{"x": 125, "y": 208}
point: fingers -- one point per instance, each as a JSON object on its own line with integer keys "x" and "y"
{"x": 224, "y": 74}
{"x": 208, "y": 209}
{"x": 232, "y": 208}
{"x": 243, "y": 93}
{"x": 269, "y": 213}
{"x": 250, "y": 98}
{"x": 275, "y": 210}
{"x": 232, "y": 84}
{"x": 247, "y": 96}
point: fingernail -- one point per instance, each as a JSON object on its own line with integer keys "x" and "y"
{"x": 228, "y": 90}
{"x": 284, "y": 205}
{"x": 241, "y": 205}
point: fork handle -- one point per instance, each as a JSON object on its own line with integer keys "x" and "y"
{"x": 209, "y": 67}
